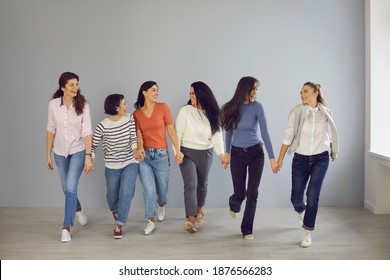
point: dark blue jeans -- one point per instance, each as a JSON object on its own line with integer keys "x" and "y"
{"x": 306, "y": 169}
{"x": 246, "y": 161}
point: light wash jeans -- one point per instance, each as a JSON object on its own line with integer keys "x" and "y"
{"x": 70, "y": 169}
{"x": 313, "y": 169}
{"x": 120, "y": 185}
{"x": 154, "y": 177}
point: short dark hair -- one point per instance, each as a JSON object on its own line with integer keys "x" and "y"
{"x": 112, "y": 102}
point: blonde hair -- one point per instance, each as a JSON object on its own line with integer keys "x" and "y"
{"x": 317, "y": 88}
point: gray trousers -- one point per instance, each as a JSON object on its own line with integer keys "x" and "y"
{"x": 195, "y": 172}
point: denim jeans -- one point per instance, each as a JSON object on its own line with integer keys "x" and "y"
{"x": 120, "y": 185}
{"x": 246, "y": 161}
{"x": 70, "y": 169}
{"x": 154, "y": 177}
{"x": 313, "y": 169}
{"x": 195, "y": 172}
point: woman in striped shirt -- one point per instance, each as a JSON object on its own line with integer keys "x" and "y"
{"x": 117, "y": 132}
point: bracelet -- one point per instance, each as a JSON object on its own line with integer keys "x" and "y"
{"x": 88, "y": 154}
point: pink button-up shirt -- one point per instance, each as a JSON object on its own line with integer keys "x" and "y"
{"x": 68, "y": 127}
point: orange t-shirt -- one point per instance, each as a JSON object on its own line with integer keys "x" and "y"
{"x": 153, "y": 128}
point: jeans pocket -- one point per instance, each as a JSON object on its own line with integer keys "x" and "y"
{"x": 297, "y": 159}
{"x": 162, "y": 153}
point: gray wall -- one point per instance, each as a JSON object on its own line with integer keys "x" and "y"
{"x": 114, "y": 46}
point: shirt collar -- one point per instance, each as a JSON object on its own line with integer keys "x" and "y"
{"x": 62, "y": 103}
{"x": 312, "y": 110}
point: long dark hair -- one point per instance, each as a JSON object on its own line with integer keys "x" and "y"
{"x": 79, "y": 100}
{"x": 230, "y": 111}
{"x": 207, "y": 101}
{"x": 141, "y": 98}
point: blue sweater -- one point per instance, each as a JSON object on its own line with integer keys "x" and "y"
{"x": 246, "y": 133}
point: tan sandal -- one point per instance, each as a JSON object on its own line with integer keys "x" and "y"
{"x": 190, "y": 227}
{"x": 200, "y": 218}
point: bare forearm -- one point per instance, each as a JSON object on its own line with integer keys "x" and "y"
{"x": 173, "y": 136}
{"x": 88, "y": 144}
{"x": 282, "y": 152}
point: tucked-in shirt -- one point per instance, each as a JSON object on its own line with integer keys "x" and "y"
{"x": 194, "y": 131}
{"x": 246, "y": 133}
{"x": 153, "y": 128}
{"x": 315, "y": 135}
{"x": 119, "y": 139}
{"x": 68, "y": 127}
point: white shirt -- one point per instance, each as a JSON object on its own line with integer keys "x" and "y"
{"x": 315, "y": 134}
{"x": 193, "y": 131}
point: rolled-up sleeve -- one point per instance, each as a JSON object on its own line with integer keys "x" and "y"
{"x": 289, "y": 133}
{"x": 86, "y": 128}
{"x": 51, "y": 125}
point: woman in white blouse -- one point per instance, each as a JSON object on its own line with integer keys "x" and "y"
{"x": 313, "y": 136}
{"x": 69, "y": 136}
{"x": 198, "y": 132}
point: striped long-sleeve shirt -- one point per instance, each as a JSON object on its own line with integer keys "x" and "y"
{"x": 119, "y": 139}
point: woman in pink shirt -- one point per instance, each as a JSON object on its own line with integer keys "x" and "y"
{"x": 152, "y": 120}
{"x": 69, "y": 134}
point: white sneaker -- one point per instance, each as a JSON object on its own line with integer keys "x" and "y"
{"x": 249, "y": 236}
{"x": 301, "y": 217}
{"x": 160, "y": 213}
{"x": 149, "y": 228}
{"x": 81, "y": 217}
{"x": 65, "y": 236}
{"x": 232, "y": 214}
{"x": 306, "y": 242}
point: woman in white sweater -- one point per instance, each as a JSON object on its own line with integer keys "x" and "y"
{"x": 198, "y": 132}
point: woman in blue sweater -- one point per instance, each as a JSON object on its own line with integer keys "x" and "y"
{"x": 241, "y": 117}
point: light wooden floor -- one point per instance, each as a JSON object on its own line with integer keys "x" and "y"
{"x": 341, "y": 234}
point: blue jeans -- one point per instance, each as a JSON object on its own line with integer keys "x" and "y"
{"x": 154, "y": 177}
{"x": 304, "y": 168}
{"x": 120, "y": 185}
{"x": 70, "y": 169}
{"x": 246, "y": 160}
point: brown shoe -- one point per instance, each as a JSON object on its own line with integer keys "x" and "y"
{"x": 189, "y": 225}
{"x": 200, "y": 218}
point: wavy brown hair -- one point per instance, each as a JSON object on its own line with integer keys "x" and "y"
{"x": 79, "y": 100}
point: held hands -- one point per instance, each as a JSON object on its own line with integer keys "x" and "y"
{"x": 139, "y": 154}
{"x": 179, "y": 157}
{"x": 274, "y": 166}
{"x": 225, "y": 160}
{"x": 88, "y": 164}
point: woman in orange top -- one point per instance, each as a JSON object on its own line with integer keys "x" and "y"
{"x": 152, "y": 120}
